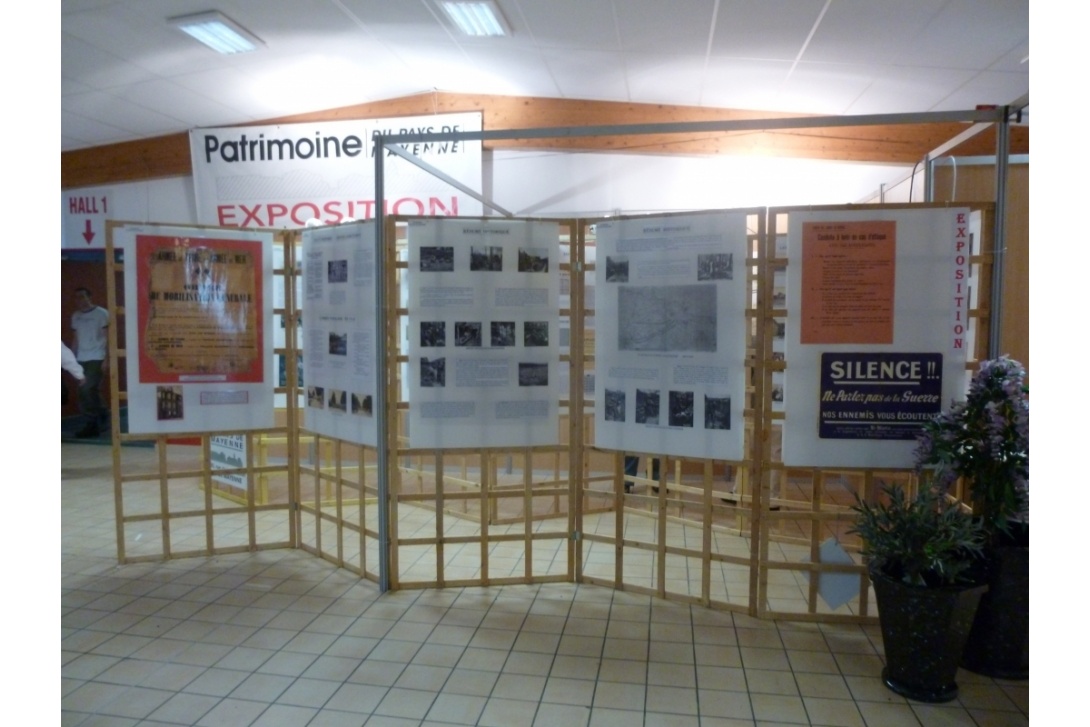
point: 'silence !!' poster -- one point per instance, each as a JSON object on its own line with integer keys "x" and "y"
{"x": 197, "y": 329}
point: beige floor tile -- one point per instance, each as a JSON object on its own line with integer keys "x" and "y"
{"x": 882, "y": 714}
{"x": 507, "y": 713}
{"x": 764, "y": 681}
{"x": 779, "y": 708}
{"x": 560, "y": 690}
{"x": 460, "y": 709}
{"x": 561, "y": 715}
{"x": 833, "y": 712}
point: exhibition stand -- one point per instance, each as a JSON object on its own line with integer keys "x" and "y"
{"x": 455, "y": 401}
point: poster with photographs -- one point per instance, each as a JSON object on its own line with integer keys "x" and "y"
{"x": 483, "y": 332}
{"x": 339, "y": 332}
{"x": 876, "y": 332}
{"x": 671, "y": 339}
{"x": 198, "y": 329}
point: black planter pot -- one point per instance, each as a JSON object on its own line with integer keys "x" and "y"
{"x": 924, "y": 632}
{"x": 998, "y": 644}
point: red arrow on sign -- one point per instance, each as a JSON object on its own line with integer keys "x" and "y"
{"x": 87, "y": 234}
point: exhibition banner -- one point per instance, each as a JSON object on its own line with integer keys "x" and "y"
{"x": 282, "y": 176}
{"x": 876, "y": 335}
{"x": 340, "y": 331}
{"x": 670, "y": 317}
{"x": 198, "y": 329}
{"x": 483, "y": 333}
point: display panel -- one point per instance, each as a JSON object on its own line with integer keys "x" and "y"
{"x": 483, "y": 332}
{"x": 876, "y": 333}
{"x": 198, "y": 329}
{"x": 671, "y": 295}
{"x": 340, "y": 331}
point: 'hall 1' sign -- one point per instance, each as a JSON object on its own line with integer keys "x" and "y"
{"x": 84, "y": 216}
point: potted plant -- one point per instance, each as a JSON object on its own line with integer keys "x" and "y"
{"x": 985, "y": 441}
{"x": 919, "y": 554}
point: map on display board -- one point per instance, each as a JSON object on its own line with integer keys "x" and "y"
{"x": 340, "y": 331}
{"x": 199, "y": 330}
{"x": 670, "y": 317}
{"x": 876, "y": 336}
{"x": 483, "y": 332}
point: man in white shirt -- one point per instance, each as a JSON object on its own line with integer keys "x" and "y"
{"x": 90, "y": 323}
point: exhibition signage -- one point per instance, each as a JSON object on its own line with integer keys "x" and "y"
{"x": 282, "y": 176}
{"x": 876, "y": 333}
{"x": 670, "y": 314}
{"x": 340, "y": 331}
{"x": 198, "y": 330}
{"x": 483, "y": 333}
{"x": 85, "y": 213}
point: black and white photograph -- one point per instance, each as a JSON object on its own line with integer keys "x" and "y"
{"x": 779, "y": 297}
{"x": 436, "y": 259}
{"x": 535, "y": 333}
{"x": 533, "y": 260}
{"x": 338, "y": 400}
{"x": 338, "y": 344}
{"x": 681, "y": 408}
{"x": 433, "y": 334}
{"x": 363, "y": 404}
{"x": 647, "y": 406}
{"x": 533, "y": 374}
{"x": 777, "y": 393}
{"x": 468, "y": 333}
{"x": 316, "y": 397}
{"x": 615, "y": 405}
{"x": 337, "y": 271}
{"x": 715, "y": 266}
{"x": 616, "y": 269}
{"x": 168, "y": 403}
{"x": 503, "y": 334}
{"x": 433, "y": 372}
{"x": 780, "y": 330}
{"x": 486, "y": 257}
{"x": 716, "y": 412}
{"x": 671, "y": 318}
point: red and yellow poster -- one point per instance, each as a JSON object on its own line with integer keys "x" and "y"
{"x": 848, "y": 272}
{"x": 200, "y": 309}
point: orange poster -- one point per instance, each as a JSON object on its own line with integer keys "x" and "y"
{"x": 848, "y": 271}
{"x": 199, "y": 309}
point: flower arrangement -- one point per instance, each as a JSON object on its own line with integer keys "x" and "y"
{"x": 985, "y": 440}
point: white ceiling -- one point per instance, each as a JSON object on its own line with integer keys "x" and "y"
{"x": 126, "y": 74}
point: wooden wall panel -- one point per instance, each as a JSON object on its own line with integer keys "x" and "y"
{"x": 168, "y": 156}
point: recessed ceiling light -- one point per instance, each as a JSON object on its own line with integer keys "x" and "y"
{"x": 476, "y": 18}
{"x": 217, "y": 31}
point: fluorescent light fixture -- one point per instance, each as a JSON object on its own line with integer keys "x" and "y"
{"x": 476, "y": 18}
{"x": 217, "y": 31}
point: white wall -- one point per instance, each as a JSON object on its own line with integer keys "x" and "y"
{"x": 554, "y": 184}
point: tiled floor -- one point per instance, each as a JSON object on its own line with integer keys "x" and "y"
{"x": 281, "y": 638}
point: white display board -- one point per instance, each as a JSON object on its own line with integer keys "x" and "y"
{"x": 198, "y": 329}
{"x": 483, "y": 333}
{"x": 876, "y": 336}
{"x": 670, "y": 343}
{"x": 340, "y": 331}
